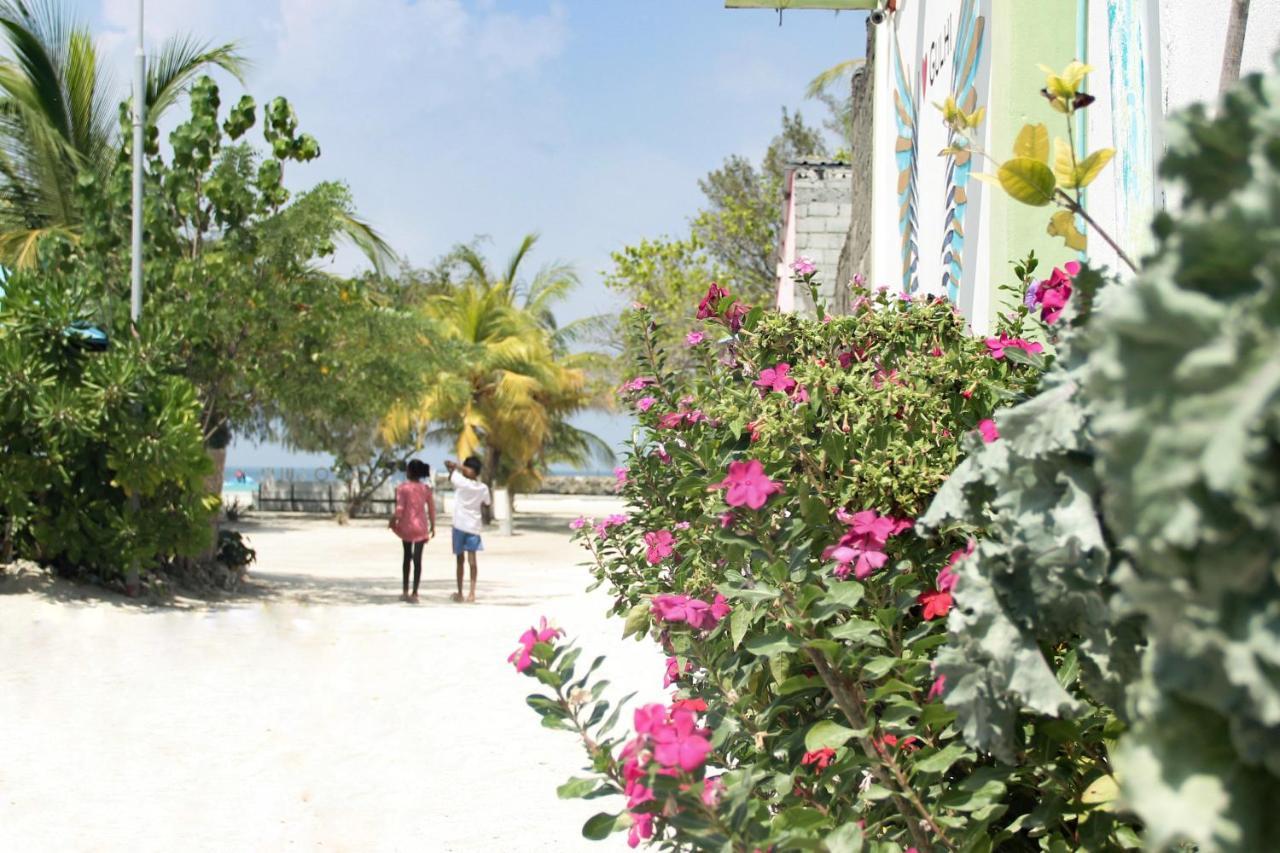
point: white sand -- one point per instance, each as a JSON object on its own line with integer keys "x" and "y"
{"x": 323, "y": 715}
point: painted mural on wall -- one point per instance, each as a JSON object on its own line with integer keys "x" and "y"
{"x": 936, "y": 50}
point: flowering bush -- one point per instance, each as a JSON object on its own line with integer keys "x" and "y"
{"x": 770, "y": 548}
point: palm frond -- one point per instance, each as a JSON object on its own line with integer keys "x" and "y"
{"x": 509, "y": 280}
{"x": 366, "y": 238}
{"x": 180, "y": 59}
{"x": 819, "y": 85}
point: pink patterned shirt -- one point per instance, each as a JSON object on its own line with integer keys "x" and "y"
{"x": 414, "y": 502}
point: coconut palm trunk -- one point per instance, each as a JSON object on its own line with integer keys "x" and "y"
{"x": 1233, "y": 54}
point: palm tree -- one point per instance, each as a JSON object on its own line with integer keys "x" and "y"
{"x": 517, "y": 380}
{"x": 59, "y": 117}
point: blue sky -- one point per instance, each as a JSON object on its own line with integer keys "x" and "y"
{"x": 589, "y": 121}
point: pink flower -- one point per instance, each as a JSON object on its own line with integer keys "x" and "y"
{"x": 638, "y": 384}
{"x": 683, "y": 525}
{"x": 620, "y": 474}
{"x": 720, "y": 608}
{"x": 909, "y": 743}
{"x": 967, "y": 393}
{"x": 644, "y": 404}
{"x": 680, "y": 743}
{"x": 800, "y": 396}
{"x": 947, "y": 579}
{"x": 671, "y": 420}
{"x": 820, "y": 758}
{"x": 1052, "y": 295}
{"x": 936, "y": 352}
{"x": 712, "y": 788}
{"x": 858, "y": 280}
{"x": 881, "y": 377}
{"x": 609, "y": 521}
{"x": 660, "y": 544}
{"x": 710, "y": 304}
{"x": 579, "y": 522}
{"x": 733, "y": 317}
{"x": 695, "y": 613}
{"x": 860, "y": 550}
{"x": 649, "y": 717}
{"x": 754, "y": 431}
{"x": 939, "y": 685}
{"x": 936, "y": 603}
{"x": 803, "y": 266}
{"x": 862, "y": 563}
{"x": 726, "y": 520}
{"x": 775, "y": 379}
{"x": 747, "y": 485}
{"x": 641, "y": 828}
{"x": 997, "y": 346}
{"x": 673, "y": 671}
{"x": 523, "y": 656}
{"x": 694, "y": 338}
{"x": 988, "y": 429}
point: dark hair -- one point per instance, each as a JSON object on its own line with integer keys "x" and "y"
{"x": 474, "y": 463}
{"x": 417, "y": 469}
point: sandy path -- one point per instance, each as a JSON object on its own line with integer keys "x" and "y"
{"x": 325, "y": 716}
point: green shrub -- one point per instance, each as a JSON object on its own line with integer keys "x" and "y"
{"x": 82, "y": 432}
{"x": 1124, "y": 601}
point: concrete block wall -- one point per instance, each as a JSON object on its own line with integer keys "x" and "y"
{"x": 822, "y": 210}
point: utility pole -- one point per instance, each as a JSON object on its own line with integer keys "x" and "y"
{"x": 1234, "y": 50}
{"x": 131, "y": 583}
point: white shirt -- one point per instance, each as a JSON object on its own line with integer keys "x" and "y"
{"x": 468, "y": 497}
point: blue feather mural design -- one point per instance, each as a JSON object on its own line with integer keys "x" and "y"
{"x": 906, "y": 103}
{"x": 964, "y": 88}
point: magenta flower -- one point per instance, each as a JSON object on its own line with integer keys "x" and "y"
{"x": 712, "y": 788}
{"x": 860, "y": 551}
{"x": 694, "y": 338}
{"x": 775, "y": 379}
{"x": 673, "y": 671}
{"x": 641, "y": 828}
{"x": 720, "y": 608}
{"x": 697, "y": 614}
{"x": 1052, "y": 294}
{"x": 939, "y": 685}
{"x": 997, "y": 346}
{"x": 733, "y": 317}
{"x": 726, "y": 520}
{"x": 680, "y": 743}
{"x": 862, "y": 563}
{"x": 710, "y": 304}
{"x": 661, "y": 544}
{"x": 648, "y": 718}
{"x": 746, "y": 485}
{"x": 947, "y": 579}
{"x": 644, "y": 404}
{"x": 988, "y": 429}
{"x": 579, "y": 522}
{"x": 523, "y": 656}
{"x": 803, "y": 266}
{"x": 620, "y": 474}
{"x": 609, "y": 521}
{"x": 671, "y": 420}
{"x": 638, "y": 384}
{"x": 800, "y": 396}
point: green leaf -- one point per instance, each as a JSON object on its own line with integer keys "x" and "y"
{"x": 826, "y": 734}
{"x": 1028, "y": 181}
{"x": 773, "y": 643}
{"x": 603, "y": 824}
{"x": 576, "y": 788}
{"x": 637, "y": 620}
{"x": 941, "y": 761}
{"x": 845, "y": 839}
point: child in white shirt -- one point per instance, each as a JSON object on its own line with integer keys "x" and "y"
{"x": 469, "y": 495}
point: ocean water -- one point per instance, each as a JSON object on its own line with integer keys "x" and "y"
{"x": 253, "y": 475}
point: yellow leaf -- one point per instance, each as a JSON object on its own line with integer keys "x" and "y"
{"x": 1102, "y": 793}
{"x": 1028, "y": 181}
{"x": 1063, "y": 224}
{"x": 1033, "y": 142}
{"x": 1093, "y": 165}
{"x": 1064, "y": 164}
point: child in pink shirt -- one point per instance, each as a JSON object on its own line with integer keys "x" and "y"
{"x": 414, "y": 522}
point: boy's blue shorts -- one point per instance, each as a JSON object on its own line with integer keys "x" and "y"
{"x": 463, "y": 541}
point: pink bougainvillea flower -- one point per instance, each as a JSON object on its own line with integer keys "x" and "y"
{"x": 661, "y": 543}
{"x": 997, "y": 346}
{"x": 819, "y": 759}
{"x": 695, "y": 705}
{"x": 680, "y": 743}
{"x": 694, "y": 338}
{"x": 803, "y": 266}
{"x": 746, "y": 485}
{"x": 775, "y": 379}
{"x": 937, "y": 603}
{"x": 988, "y": 429}
{"x": 710, "y": 304}
{"x": 644, "y": 404}
{"x": 939, "y": 685}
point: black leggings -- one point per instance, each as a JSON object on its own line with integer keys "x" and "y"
{"x": 413, "y": 551}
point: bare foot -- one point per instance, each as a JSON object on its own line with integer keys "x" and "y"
{"x": 404, "y": 596}
{"x": 457, "y": 596}
{"x": 413, "y": 599}
{"x": 471, "y": 598}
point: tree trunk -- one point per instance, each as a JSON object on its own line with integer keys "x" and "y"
{"x": 1233, "y": 53}
{"x": 508, "y": 523}
{"x": 489, "y": 475}
{"x": 213, "y": 485}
